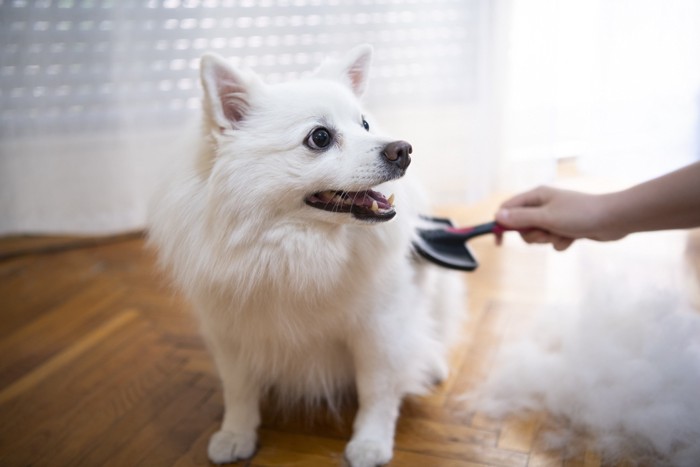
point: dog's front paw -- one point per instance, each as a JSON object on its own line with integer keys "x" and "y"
{"x": 367, "y": 453}
{"x": 225, "y": 446}
{"x": 439, "y": 372}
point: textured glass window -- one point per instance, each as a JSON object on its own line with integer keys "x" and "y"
{"x": 92, "y": 65}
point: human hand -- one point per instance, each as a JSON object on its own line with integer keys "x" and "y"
{"x": 551, "y": 215}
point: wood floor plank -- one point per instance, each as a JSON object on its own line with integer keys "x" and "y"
{"x": 62, "y": 359}
{"x": 483, "y": 347}
{"x": 544, "y": 459}
{"x": 196, "y": 452}
{"x": 132, "y": 436}
{"x": 591, "y": 459}
{"x": 127, "y": 352}
{"x": 413, "y": 459}
{"x": 317, "y": 445}
{"x": 274, "y": 457}
{"x": 59, "y": 324}
{"x": 130, "y": 407}
{"x": 94, "y": 413}
{"x": 181, "y": 436}
{"x": 411, "y": 433}
{"x": 55, "y": 333}
{"x": 36, "y": 288}
{"x": 200, "y": 362}
{"x": 518, "y": 434}
{"x": 452, "y": 412}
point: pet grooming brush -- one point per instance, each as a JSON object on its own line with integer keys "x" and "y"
{"x": 446, "y": 245}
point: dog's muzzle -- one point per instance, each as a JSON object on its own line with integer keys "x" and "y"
{"x": 367, "y": 205}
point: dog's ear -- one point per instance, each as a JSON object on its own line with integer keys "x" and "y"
{"x": 352, "y": 69}
{"x": 226, "y": 91}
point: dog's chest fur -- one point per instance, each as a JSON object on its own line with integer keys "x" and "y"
{"x": 292, "y": 298}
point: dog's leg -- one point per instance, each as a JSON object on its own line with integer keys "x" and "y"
{"x": 379, "y": 395}
{"x": 372, "y": 442}
{"x": 237, "y": 437}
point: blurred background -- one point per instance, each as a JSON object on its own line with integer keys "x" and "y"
{"x": 491, "y": 93}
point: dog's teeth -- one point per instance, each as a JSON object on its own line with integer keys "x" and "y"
{"x": 391, "y": 199}
{"x": 375, "y": 206}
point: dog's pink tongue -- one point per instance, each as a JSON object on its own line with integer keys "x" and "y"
{"x": 369, "y": 196}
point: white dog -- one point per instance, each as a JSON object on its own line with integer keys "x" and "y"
{"x": 277, "y": 229}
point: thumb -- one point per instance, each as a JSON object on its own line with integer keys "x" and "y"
{"x": 521, "y": 217}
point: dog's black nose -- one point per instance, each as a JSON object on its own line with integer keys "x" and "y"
{"x": 398, "y": 153}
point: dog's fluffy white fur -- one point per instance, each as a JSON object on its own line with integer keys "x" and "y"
{"x": 303, "y": 301}
{"x": 622, "y": 367}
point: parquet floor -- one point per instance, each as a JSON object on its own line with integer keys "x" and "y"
{"x": 101, "y": 364}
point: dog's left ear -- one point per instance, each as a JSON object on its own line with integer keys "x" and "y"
{"x": 227, "y": 91}
{"x": 352, "y": 69}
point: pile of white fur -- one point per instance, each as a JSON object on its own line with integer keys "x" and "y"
{"x": 621, "y": 370}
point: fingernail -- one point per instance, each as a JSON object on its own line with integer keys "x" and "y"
{"x": 502, "y": 214}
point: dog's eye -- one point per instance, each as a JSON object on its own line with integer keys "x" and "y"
{"x": 320, "y": 138}
{"x": 365, "y": 124}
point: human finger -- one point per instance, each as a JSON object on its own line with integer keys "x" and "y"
{"x": 561, "y": 243}
{"x": 499, "y": 238}
{"x": 534, "y": 197}
{"x": 521, "y": 217}
{"x": 536, "y": 236}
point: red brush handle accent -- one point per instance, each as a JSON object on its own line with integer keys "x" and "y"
{"x": 460, "y": 230}
{"x": 498, "y": 229}
{"x": 481, "y": 229}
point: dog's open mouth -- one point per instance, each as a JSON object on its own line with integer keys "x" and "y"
{"x": 366, "y": 205}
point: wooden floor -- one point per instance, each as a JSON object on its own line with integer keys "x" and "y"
{"x": 101, "y": 364}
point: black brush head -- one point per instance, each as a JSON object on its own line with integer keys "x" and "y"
{"x": 438, "y": 248}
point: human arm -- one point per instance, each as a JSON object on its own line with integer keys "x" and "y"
{"x": 556, "y": 216}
